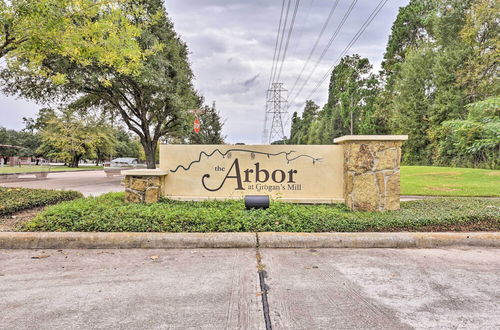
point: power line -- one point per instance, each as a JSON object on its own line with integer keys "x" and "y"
{"x": 276, "y": 104}
{"x": 281, "y": 41}
{"x": 304, "y": 22}
{"x": 325, "y": 50}
{"x": 358, "y": 34}
{"x": 276, "y": 43}
{"x": 325, "y": 24}
{"x": 290, "y": 31}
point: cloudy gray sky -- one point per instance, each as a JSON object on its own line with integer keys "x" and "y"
{"x": 232, "y": 44}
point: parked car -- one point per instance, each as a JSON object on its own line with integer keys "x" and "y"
{"x": 124, "y": 162}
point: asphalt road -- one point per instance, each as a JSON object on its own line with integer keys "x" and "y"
{"x": 87, "y": 182}
{"x": 221, "y": 289}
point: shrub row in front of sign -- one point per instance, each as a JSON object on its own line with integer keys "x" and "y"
{"x": 18, "y": 199}
{"x": 109, "y": 213}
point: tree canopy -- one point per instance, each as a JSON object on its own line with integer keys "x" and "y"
{"x": 151, "y": 102}
{"x": 71, "y": 138}
{"x": 439, "y": 73}
{"x": 349, "y": 109}
{"x": 85, "y": 31}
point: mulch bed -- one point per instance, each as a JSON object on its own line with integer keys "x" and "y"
{"x": 12, "y": 221}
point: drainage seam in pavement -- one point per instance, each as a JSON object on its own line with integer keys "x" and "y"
{"x": 263, "y": 286}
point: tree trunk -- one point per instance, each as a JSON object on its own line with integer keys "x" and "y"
{"x": 352, "y": 130}
{"x": 352, "y": 116}
{"x": 150, "y": 151}
{"x": 75, "y": 161}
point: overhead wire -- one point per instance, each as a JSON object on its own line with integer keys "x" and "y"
{"x": 276, "y": 43}
{"x": 323, "y": 28}
{"x": 273, "y": 73}
{"x": 272, "y": 69}
{"x": 327, "y": 47}
{"x": 303, "y": 22}
{"x": 358, "y": 34}
{"x": 290, "y": 31}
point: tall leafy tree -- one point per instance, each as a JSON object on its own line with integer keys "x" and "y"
{"x": 295, "y": 128}
{"x": 351, "y": 95}
{"x": 449, "y": 55}
{"x": 425, "y": 92}
{"x": 152, "y": 103}
{"x": 411, "y": 27}
{"x": 350, "y": 108}
{"x": 301, "y": 126}
{"x": 479, "y": 75}
{"x": 126, "y": 145}
{"x": 42, "y": 119}
{"x": 412, "y": 104}
{"x": 72, "y": 137}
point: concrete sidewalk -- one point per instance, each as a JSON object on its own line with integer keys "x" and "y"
{"x": 383, "y": 288}
{"x": 220, "y": 288}
{"x": 129, "y": 289}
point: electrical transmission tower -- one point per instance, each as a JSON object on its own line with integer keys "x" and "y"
{"x": 276, "y": 114}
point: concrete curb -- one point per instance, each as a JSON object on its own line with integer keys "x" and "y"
{"x": 378, "y": 240}
{"x": 49, "y": 172}
{"x": 81, "y": 240}
{"x": 77, "y": 240}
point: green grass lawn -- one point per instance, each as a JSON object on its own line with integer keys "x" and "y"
{"x": 449, "y": 181}
{"x": 110, "y": 213}
{"x": 30, "y": 169}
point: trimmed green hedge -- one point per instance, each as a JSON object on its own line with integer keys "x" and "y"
{"x": 109, "y": 213}
{"x": 18, "y": 199}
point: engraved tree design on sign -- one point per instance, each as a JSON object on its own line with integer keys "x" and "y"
{"x": 227, "y": 154}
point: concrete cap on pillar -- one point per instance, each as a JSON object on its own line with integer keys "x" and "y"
{"x": 349, "y": 138}
{"x": 145, "y": 172}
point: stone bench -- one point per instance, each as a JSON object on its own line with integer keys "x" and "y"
{"x": 117, "y": 171}
{"x": 113, "y": 171}
{"x": 12, "y": 177}
{"x": 143, "y": 186}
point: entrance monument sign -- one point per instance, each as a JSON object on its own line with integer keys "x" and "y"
{"x": 293, "y": 173}
{"x": 361, "y": 171}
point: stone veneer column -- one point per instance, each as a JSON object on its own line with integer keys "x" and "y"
{"x": 371, "y": 171}
{"x": 143, "y": 186}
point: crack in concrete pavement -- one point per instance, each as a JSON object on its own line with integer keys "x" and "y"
{"x": 264, "y": 288}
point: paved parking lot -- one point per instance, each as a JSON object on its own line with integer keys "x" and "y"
{"x": 220, "y": 289}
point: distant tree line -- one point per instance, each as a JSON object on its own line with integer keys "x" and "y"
{"x": 439, "y": 84}
{"x": 70, "y": 137}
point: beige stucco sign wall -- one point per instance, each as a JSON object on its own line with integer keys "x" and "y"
{"x": 362, "y": 171}
{"x": 309, "y": 174}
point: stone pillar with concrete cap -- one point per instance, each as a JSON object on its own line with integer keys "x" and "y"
{"x": 144, "y": 186}
{"x": 371, "y": 171}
